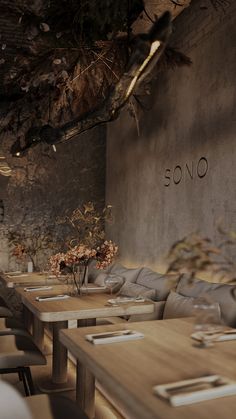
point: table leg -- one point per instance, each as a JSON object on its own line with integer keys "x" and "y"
{"x": 59, "y": 357}
{"x": 58, "y": 381}
{"x": 85, "y": 390}
{"x": 38, "y": 333}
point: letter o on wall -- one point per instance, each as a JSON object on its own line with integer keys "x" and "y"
{"x": 177, "y": 174}
{"x": 202, "y": 167}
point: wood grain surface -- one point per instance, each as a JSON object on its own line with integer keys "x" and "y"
{"x": 130, "y": 370}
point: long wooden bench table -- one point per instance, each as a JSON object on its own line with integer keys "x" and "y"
{"x": 86, "y": 309}
{"x": 129, "y": 370}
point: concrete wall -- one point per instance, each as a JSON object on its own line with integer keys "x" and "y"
{"x": 178, "y": 176}
{"x": 46, "y": 185}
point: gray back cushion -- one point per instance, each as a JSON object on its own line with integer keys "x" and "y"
{"x": 221, "y": 293}
{"x": 100, "y": 281}
{"x": 93, "y": 272}
{"x": 178, "y": 306}
{"x": 129, "y": 274}
{"x": 161, "y": 283}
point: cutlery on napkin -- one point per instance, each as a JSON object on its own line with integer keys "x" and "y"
{"x": 221, "y": 336}
{"x": 112, "y": 337}
{"x": 124, "y": 300}
{"x": 42, "y": 288}
{"x": 16, "y": 275}
{"x": 52, "y": 297}
{"x": 196, "y": 390}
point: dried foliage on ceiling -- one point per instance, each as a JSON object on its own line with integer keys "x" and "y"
{"x": 69, "y": 61}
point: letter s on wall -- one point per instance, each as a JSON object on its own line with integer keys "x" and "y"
{"x": 167, "y": 177}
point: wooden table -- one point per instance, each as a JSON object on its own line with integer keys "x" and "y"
{"x": 129, "y": 370}
{"x": 85, "y": 309}
{"x": 27, "y": 279}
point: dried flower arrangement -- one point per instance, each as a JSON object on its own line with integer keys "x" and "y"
{"x": 87, "y": 223}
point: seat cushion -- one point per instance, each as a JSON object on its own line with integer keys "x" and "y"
{"x": 18, "y": 351}
{"x": 159, "y": 282}
{"x": 220, "y": 293}
{"x": 135, "y": 290}
{"x": 178, "y": 306}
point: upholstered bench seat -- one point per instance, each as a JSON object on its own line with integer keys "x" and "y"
{"x": 18, "y": 351}
{"x": 17, "y": 354}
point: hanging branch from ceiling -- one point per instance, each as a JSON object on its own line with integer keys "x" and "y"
{"x": 148, "y": 50}
{"x": 63, "y": 79}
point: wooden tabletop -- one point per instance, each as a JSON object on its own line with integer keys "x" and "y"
{"x": 25, "y": 278}
{"x": 88, "y": 306}
{"x": 129, "y": 370}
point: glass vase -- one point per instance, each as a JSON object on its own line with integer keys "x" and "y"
{"x": 84, "y": 276}
{"x": 73, "y": 284}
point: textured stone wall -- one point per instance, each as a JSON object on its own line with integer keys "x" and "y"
{"x": 45, "y": 185}
{"x": 178, "y": 175}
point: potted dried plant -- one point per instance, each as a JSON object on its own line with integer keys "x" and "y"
{"x": 196, "y": 254}
{"x": 27, "y": 242}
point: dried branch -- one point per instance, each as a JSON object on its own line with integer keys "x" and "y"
{"x": 194, "y": 254}
{"x": 149, "y": 49}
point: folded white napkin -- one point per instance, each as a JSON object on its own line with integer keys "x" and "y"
{"x": 16, "y": 275}
{"x": 32, "y": 289}
{"x": 112, "y": 337}
{"x": 196, "y": 390}
{"x": 52, "y": 297}
{"x": 221, "y": 337}
{"x": 125, "y": 300}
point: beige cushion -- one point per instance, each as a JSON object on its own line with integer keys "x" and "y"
{"x": 178, "y": 306}
{"x": 221, "y": 293}
{"x": 156, "y": 315}
{"x": 134, "y": 290}
{"x": 18, "y": 351}
{"x": 161, "y": 283}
